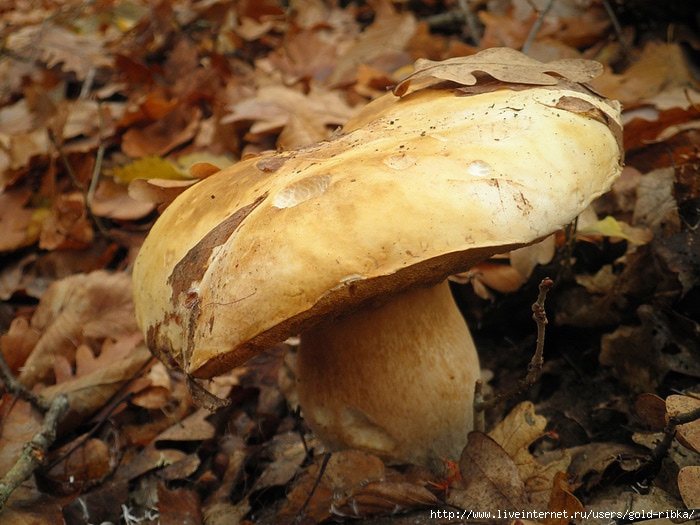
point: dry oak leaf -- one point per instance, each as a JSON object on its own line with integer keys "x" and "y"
{"x": 16, "y": 220}
{"x": 83, "y": 308}
{"x": 91, "y": 392}
{"x": 689, "y": 486}
{"x": 515, "y": 434}
{"x": 688, "y": 434}
{"x": 504, "y": 64}
{"x": 354, "y": 484}
{"x": 562, "y": 503}
{"x": 491, "y": 476}
{"x": 55, "y": 45}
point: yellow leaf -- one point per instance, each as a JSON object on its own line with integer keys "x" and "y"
{"x": 185, "y": 162}
{"x": 149, "y": 168}
{"x": 610, "y": 227}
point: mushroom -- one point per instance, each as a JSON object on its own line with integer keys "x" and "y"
{"x": 349, "y": 242}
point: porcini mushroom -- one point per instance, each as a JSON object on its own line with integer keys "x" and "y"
{"x": 348, "y": 242}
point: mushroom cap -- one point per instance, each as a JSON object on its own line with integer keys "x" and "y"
{"x": 414, "y": 189}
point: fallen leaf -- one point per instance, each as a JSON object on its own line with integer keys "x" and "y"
{"x": 506, "y": 65}
{"x": 80, "y": 308}
{"x": 687, "y": 434}
{"x": 689, "y": 486}
{"x": 381, "y": 45}
{"x": 78, "y": 465}
{"x": 16, "y": 219}
{"x": 660, "y": 66}
{"x": 562, "y": 502}
{"x": 354, "y": 484}
{"x": 19, "y": 424}
{"x": 18, "y": 342}
{"x": 652, "y": 410}
{"x": 160, "y": 192}
{"x": 273, "y": 107}
{"x": 526, "y": 259}
{"x": 113, "y": 201}
{"x": 67, "y": 226}
{"x": 57, "y": 46}
{"x": 93, "y": 392}
{"x": 149, "y": 167}
{"x": 165, "y": 134}
{"x": 178, "y": 506}
{"x": 491, "y": 476}
{"x": 611, "y": 227}
{"x": 590, "y": 462}
{"x": 681, "y": 254}
{"x": 515, "y": 434}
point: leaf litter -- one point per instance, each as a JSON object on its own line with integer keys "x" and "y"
{"x": 106, "y": 105}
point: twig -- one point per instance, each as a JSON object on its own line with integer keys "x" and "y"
{"x": 321, "y": 471}
{"x": 647, "y": 474}
{"x": 464, "y": 16}
{"x": 536, "y": 26}
{"x": 535, "y": 367}
{"x": 470, "y": 20}
{"x": 618, "y": 28}
{"x": 35, "y": 451}
{"x": 91, "y": 190}
{"x": 14, "y": 386}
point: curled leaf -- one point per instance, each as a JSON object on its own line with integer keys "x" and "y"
{"x": 504, "y": 64}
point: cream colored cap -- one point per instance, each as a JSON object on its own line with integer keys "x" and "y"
{"x": 414, "y": 189}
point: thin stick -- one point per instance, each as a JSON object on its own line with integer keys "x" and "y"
{"x": 14, "y": 386}
{"x": 536, "y": 26}
{"x": 618, "y": 28}
{"x": 35, "y": 451}
{"x": 535, "y": 367}
{"x": 321, "y": 471}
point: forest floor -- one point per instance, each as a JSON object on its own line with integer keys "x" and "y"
{"x": 104, "y": 107}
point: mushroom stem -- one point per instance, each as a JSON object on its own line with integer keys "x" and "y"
{"x": 397, "y": 380}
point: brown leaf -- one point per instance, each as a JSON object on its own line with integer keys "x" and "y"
{"x": 660, "y": 66}
{"x": 80, "y": 308}
{"x": 79, "y": 464}
{"x": 18, "y": 342}
{"x": 689, "y": 486}
{"x": 112, "y": 200}
{"x": 305, "y": 56}
{"x": 504, "y": 64}
{"x": 589, "y": 462}
{"x": 273, "y": 108}
{"x": 91, "y": 392}
{"x": 527, "y": 258}
{"x": 491, "y": 476}
{"x": 56, "y": 45}
{"x": 515, "y": 434}
{"x": 67, "y": 226}
{"x": 381, "y": 45}
{"x": 652, "y": 410}
{"x": 16, "y": 220}
{"x": 354, "y": 484}
{"x": 562, "y": 502}
{"x": 179, "y": 507}
{"x": 160, "y": 137}
{"x": 194, "y": 427}
{"x": 688, "y": 434}
{"x": 158, "y": 191}
{"x": 384, "y": 497}
{"x": 19, "y": 424}
{"x": 288, "y": 453}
